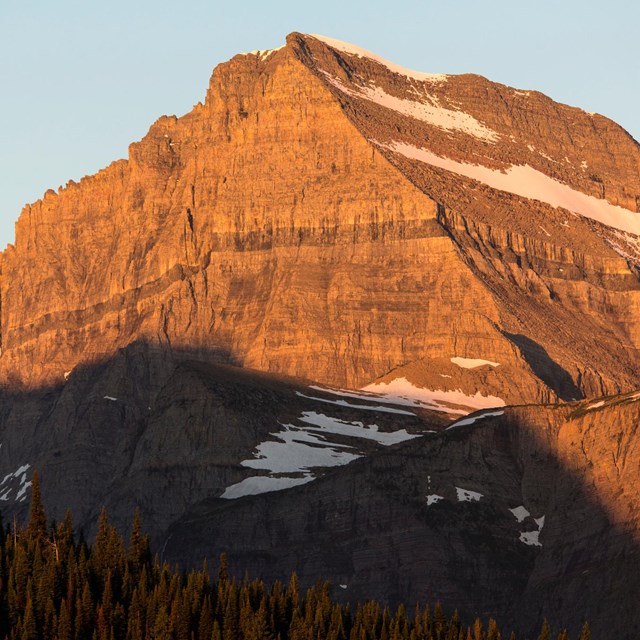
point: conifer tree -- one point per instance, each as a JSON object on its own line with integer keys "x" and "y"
{"x": 545, "y": 632}
{"x": 478, "y": 633}
{"x": 138, "y": 553}
{"x": 64, "y": 623}
{"x": 586, "y": 632}
{"x": 29, "y": 628}
{"x": 37, "y": 527}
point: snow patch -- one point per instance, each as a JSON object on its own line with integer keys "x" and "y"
{"x": 263, "y": 54}
{"x": 262, "y": 484}
{"x": 531, "y": 538}
{"x": 466, "y": 495}
{"x": 354, "y": 50}
{"x": 355, "y": 429}
{"x": 401, "y": 391}
{"x": 111, "y": 398}
{"x": 297, "y": 450}
{"x": 430, "y": 112}
{"x": 520, "y": 513}
{"x": 474, "y": 418}
{"x": 433, "y": 499}
{"x": 527, "y": 182}
{"x": 473, "y": 363}
{"x": 366, "y": 407}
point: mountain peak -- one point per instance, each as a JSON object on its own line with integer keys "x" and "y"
{"x": 354, "y": 50}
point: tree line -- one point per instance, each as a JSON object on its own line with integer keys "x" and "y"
{"x": 55, "y": 586}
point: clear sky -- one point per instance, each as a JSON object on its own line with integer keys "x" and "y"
{"x": 81, "y": 79}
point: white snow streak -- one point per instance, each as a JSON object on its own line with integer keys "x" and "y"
{"x": 433, "y": 499}
{"x": 23, "y": 490}
{"x": 356, "y": 429}
{"x": 401, "y": 391}
{"x": 466, "y": 495}
{"x": 354, "y": 50}
{"x": 474, "y": 418}
{"x": 430, "y": 112}
{"x": 473, "y": 363}
{"x": 262, "y": 484}
{"x": 527, "y": 182}
{"x": 20, "y": 474}
{"x": 366, "y": 407}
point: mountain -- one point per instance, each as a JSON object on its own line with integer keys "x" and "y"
{"x": 268, "y": 325}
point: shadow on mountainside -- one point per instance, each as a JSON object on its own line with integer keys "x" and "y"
{"x": 549, "y": 371}
{"x": 429, "y": 519}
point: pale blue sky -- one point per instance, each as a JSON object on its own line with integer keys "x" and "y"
{"x": 81, "y": 79}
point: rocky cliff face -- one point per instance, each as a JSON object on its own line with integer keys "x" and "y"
{"x": 261, "y": 325}
{"x": 286, "y": 225}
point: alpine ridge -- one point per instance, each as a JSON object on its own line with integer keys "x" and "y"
{"x": 390, "y": 317}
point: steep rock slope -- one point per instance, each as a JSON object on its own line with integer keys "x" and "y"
{"x": 280, "y": 227}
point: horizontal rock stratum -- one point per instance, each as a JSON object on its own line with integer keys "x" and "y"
{"x": 295, "y": 323}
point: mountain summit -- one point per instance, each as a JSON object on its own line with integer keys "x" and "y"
{"x": 313, "y": 279}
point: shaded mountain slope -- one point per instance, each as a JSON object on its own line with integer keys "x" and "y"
{"x": 522, "y": 515}
{"x": 516, "y": 512}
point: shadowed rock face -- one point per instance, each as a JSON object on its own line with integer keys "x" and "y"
{"x": 452, "y": 515}
{"x": 276, "y": 224}
{"x": 459, "y": 517}
{"x": 170, "y": 327}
